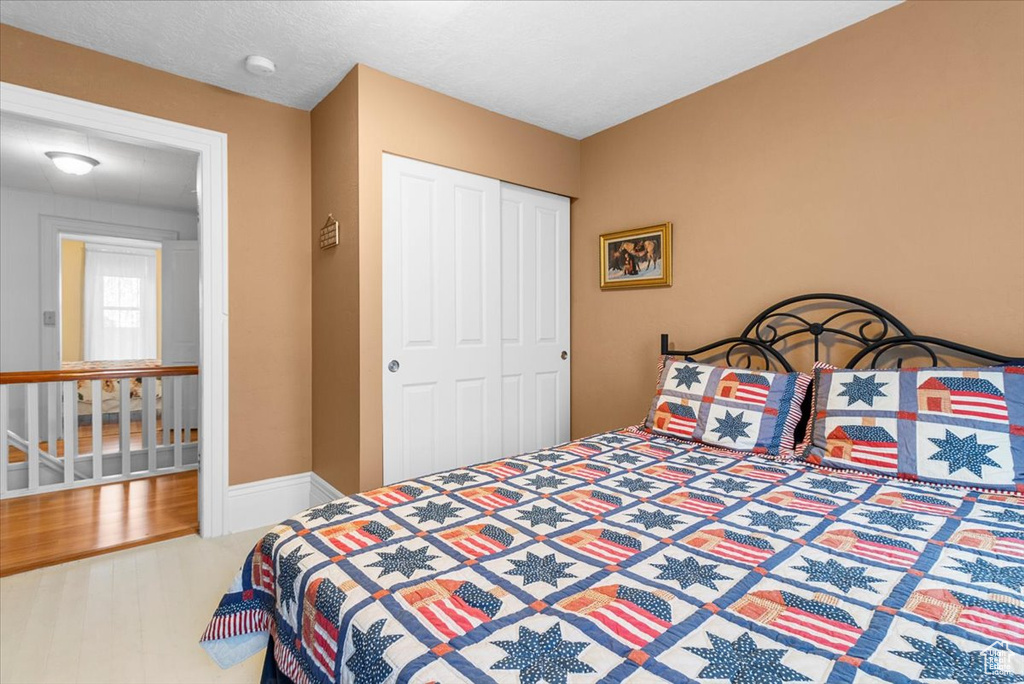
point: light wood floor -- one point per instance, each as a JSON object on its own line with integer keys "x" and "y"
{"x": 132, "y": 616}
{"x": 45, "y": 529}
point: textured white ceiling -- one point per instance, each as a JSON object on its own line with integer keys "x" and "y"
{"x": 128, "y": 173}
{"x": 569, "y": 66}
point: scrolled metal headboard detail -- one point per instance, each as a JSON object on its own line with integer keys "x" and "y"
{"x": 821, "y": 319}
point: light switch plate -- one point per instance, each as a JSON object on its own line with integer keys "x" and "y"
{"x": 49, "y": 318}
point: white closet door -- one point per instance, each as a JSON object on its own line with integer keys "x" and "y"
{"x": 534, "y": 319}
{"x": 441, "y": 318}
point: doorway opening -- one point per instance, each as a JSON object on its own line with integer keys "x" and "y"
{"x": 113, "y": 350}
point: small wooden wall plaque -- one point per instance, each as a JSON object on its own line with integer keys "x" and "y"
{"x": 329, "y": 233}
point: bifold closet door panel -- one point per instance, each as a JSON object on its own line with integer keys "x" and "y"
{"x": 441, "y": 318}
{"x": 534, "y": 319}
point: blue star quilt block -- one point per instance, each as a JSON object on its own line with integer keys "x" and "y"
{"x": 723, "y": 651}
{"x": 949, "y": 426}
{"x": 741, "y": 410}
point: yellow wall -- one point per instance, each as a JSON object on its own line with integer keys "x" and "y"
{"x": 72, "y": 301}
{"x": 72, "y": 274}
{"x": 885, "y": 161}
{"x": 268, "y": 234}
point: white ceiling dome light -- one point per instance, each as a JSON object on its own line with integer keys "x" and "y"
{"x": 75, "y": 164}
{"x": 260, "y": 66}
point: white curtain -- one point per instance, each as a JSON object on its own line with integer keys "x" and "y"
{"x": 119, "y": 316}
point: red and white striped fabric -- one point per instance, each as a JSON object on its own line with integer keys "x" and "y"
{"x": 630, "y": 622}
{"x": 817, "y": 628}
{"x": 451, "y": 616}
{"x": 990, "y": 623}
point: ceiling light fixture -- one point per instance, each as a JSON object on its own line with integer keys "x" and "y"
{"x": 261, "y": 66}
{"x": 75, "y": 164}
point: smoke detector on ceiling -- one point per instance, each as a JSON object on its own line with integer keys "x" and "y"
{"x": 261, "y": 66}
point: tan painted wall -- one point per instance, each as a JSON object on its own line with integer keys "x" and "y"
{"x": 883, "y": 161}
{"x": 268, "y": 245}
{"x": 335, "y": 273}
{"x": 72, "y": 279}
{"x": 401, "y": 118}
{"x": 72, "y": 300}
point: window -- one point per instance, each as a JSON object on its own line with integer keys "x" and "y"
{"x": 120, "y": 303}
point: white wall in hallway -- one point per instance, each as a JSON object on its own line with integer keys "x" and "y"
{"x": 21, "y": 317}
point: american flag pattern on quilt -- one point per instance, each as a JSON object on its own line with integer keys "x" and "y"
{"x": 598, "y": 561}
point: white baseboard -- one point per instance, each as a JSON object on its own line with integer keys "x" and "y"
{"x": 267, "y": 502}
{"x": 321, "y": 491}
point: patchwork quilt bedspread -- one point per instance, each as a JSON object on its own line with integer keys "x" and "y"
{"x": 623, "y": 557}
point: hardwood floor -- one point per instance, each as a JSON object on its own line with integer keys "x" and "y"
{"x": 47, "y": 529}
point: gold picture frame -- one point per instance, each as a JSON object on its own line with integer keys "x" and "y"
{"x": 639, "y": 257}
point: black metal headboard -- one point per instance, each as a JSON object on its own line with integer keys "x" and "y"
{"x": 820, "y": 320}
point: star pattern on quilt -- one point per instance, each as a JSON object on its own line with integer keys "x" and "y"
{"x": 687, "y": 375}
{"x": 404, "y": 561}
{"x": 545, "y": 482}
{"x": 980, "y": 570}
{"x": 654, "y": 519}
{"x": 831, "y": 485}
{"x": 288, "y": 572}
{"x": 543, "y": 516}
{"x": 435, "y": 512}
{"x": 536, "y": 568}
{"x": 897, "y": 521}
{"x": 863, "y": 389}
{"x": 730, "y": 485}
{"x": 742, "y": 662}
{"x": 773, "y": 521}
{"x": 457, "y": 478}
{"x": 613, "y": 440}
{"x": 732, "y": 426}
{"x": 624, "y": 457}
{"x": 367, "y": 660}
{"x": 962, "y": 452}
{"x": 549, "y": 457}
{"x": 542, "y": 657}
{"x": 1006, "y": 516}
{"x": 840, "y": 576}
{"x": 330, "y": 511}
{"x": 700, "y": 460}
{"x": 945, "y": 660}
{"x": 688, "y": 571}
{"x": 634, "y": 484}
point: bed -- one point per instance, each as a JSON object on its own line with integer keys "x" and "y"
{"x": 628, "y": 556}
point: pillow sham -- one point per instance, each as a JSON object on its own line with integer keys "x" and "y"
{"x": 958, "y": 426}
{"x": 736, "y": 409}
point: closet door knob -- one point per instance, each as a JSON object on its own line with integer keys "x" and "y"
{"x": 565, "y": 355}
{"x": 393, "y": 366}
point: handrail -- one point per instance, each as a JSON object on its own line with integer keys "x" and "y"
{"x": 19, "y": 377}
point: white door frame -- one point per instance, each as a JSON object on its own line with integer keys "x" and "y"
{"x": 212, "y": 147}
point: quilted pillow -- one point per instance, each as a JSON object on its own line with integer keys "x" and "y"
{"x": 731, "y": 408}
{"x": 960, "y": 426}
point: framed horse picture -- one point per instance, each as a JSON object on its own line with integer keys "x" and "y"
{"x": 641, "y": 257}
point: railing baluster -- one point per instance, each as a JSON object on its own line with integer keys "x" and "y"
{"x": 70, "y": 430}
{"x": 177, "y": 422}
{"x": 52, "y": 408}
{"x": 32, "y": 412}
{"x": 165, "y": 402}
{"x": 5, "y": 407}
{"x": 124, "y": 420}
{"x": 97, "y": 429}
{"x": 149, "y": 419}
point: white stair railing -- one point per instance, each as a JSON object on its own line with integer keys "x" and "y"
{"x": 157, "y": 426}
